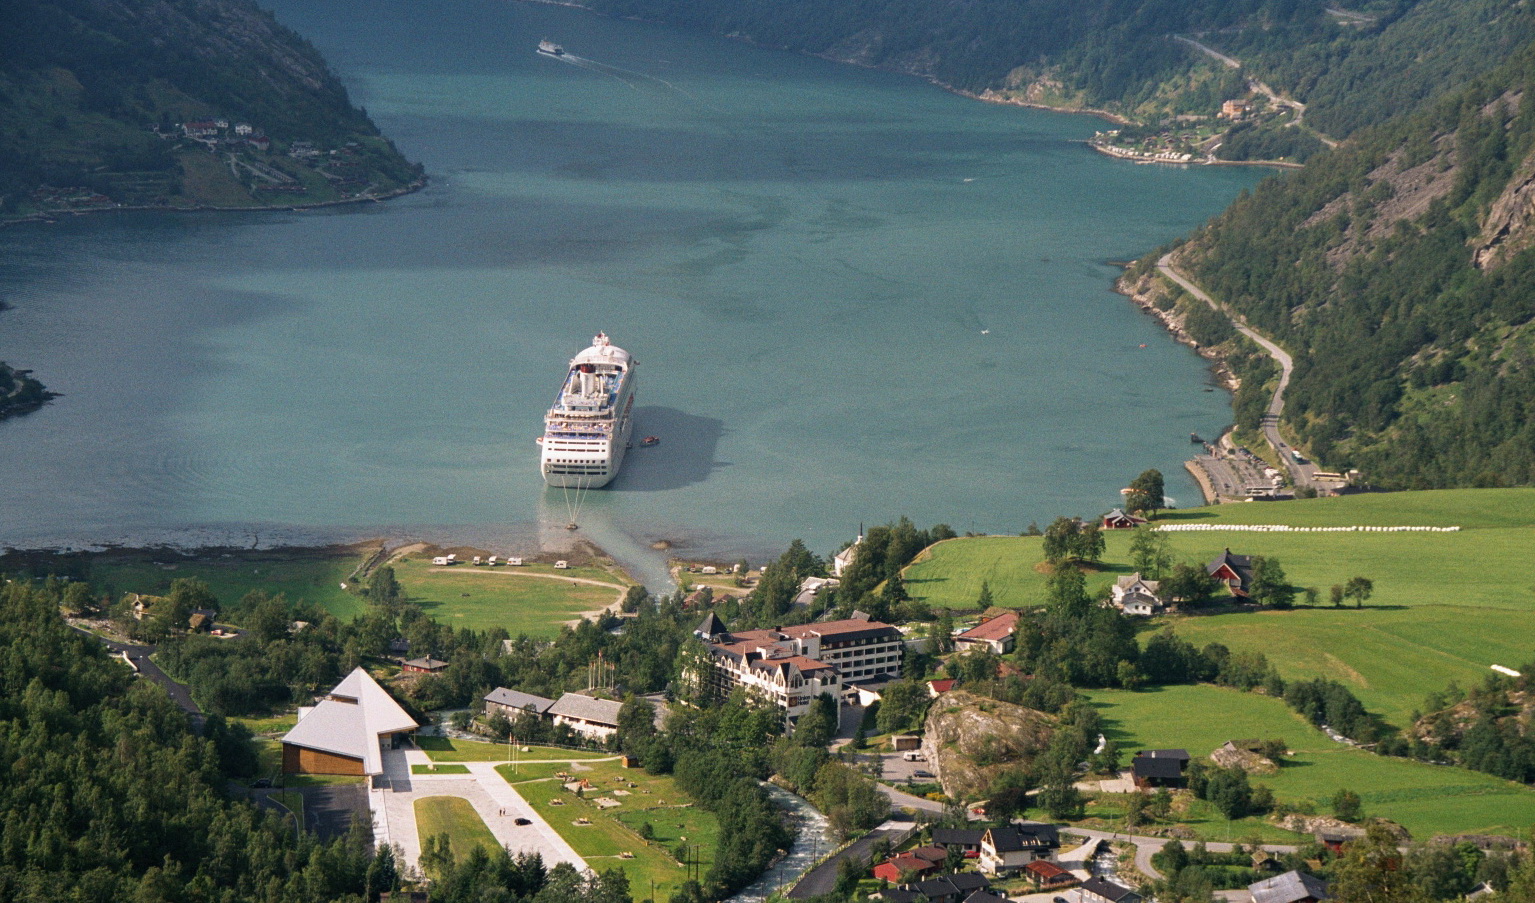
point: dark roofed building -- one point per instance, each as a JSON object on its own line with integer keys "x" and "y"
{"x": 950, "y": 888}
{"x": 512, "y": 703}
{"x": 1291, "y": 887}
{"x": 966, "y": 839}
{"x": 1119, "y": 520}
{"x": 428, "y": 665}
{"x": 1009, "y": 848}
{"x": 1236, "y": 571}
{"x": 1101, "y": 890}
{"x": 711, "y": 628}
{"x": 1147, "y": 771}
{"x": 587, "y": 715}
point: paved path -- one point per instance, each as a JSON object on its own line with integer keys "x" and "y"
{"x": 496, "y": 802}
{"x": 823, "y": 878}
{"x": 139, "y": 657}
{"x": 1300, "y": 474}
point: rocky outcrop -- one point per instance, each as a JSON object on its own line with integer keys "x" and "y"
{"x": 970, "y": 739}
{"x": 1506, "y": 228}
{"x": 1245, "y": 759}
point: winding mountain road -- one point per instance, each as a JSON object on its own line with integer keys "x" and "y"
{"x": 1300, "y": 474}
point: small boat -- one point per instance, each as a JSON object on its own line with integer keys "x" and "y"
{"x": 539, "y": 440}
{"x": 650, "y": 440}
{"x": 1194, "y": 438}
{"x": 547, "y": 46}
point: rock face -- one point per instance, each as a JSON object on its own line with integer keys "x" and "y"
{"x": 1506, "y": 229}
{"x": 1247, "y": 760}
{"x": 969, "y": 739}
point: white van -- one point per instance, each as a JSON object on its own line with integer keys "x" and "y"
{"x": 914, "y": 755}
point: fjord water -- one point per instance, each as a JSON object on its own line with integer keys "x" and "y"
{"x": 852, "y": 296}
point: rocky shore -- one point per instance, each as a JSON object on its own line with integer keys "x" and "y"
{"x": 1154, "y": 297}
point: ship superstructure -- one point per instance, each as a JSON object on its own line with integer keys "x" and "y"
{"x": 586, "y": 432}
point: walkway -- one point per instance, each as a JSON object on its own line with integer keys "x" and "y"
{"x": 497, "y": 803}
{"x": 1300, "y": 474}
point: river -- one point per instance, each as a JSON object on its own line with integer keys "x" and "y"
{"x": 853, "y": 296}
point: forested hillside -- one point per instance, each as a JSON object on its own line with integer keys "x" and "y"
{"x": 1352, "y": 67}
{"x": 1400, "y": 271}
{"x": 94, "y": 97}
{"x": 107, "y": 794}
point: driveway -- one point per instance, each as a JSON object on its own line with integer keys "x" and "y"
{"x": 393, "y": 801}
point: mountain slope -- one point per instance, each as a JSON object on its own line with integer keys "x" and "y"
{"x": 93, "y": 94}
{"x": 1400, "y": 271}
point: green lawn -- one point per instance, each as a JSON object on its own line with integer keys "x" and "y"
{"x": 522, "y": 599}
{"x": 310, "y": 575}
{"x": 272, "y": 726}
{"x": 655, "y": 799}
{"x": 445, "y": 768}
{"x": 1427, "y": 799}
{"x": 1446, "y": 606}
{"x": 444, "y": 749}
{"x": 454, "y": 816}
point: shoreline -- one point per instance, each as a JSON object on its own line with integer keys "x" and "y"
{"x": 1142, "y": 295}
{"x": 49, "y": 217}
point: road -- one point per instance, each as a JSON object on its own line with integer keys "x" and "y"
{"x": 1300, "y": 474}
{"x": 1261, "y": 88}
{"x": 139, "y": 656}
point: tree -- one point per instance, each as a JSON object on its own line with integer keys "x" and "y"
{"x": 984, "y": 601}
{"x": 1370, "y": 871}
{"x": 1189, "y": 583}
{"x": 1060, "y": 539}
{"x": 1147, "y": 492}
{"x": 1008, "y": 796}
{"x": 384, "y": 589}
{"x": 1269, "y": 586}
{"x": 818, "y": 726}
{"x": 943, "y": 629}
{"x": 1347, "y": 806}
{"x": 1359, "y": 589}
{"x": 1149, "y": 554}
{"x": 1336, "y": 595}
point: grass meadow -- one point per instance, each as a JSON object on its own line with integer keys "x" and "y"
{"x": 455, "y": 817}
{"x": 310, "y": 576}
{"x": 1446, "y": 606}
{"x": 534, "y": 599}
{"x": 445, "y": 749}
{"x": 1426, "y": 799}
{"x": 653, "y": 798}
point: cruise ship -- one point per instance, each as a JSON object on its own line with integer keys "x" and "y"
{"x": 586, "y": 432}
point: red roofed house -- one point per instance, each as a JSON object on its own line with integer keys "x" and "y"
{"x": 1236, "y": 571}
{"x": 916, "y": 863}
{"x": 1048, "y": 876}
{"x": 995, "y": 634}
{"x": 936, "y": 688}
{"x": 1119, "y": 520}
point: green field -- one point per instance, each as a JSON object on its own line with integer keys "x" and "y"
{"x": 445, "y": 768}
{"x": 313, "y": 576}
{"x": 654, "y": 799}
{"x": 455, "y": 817}
{"x": 1446, "y": 606}
{"x": 444, "y": 749}
{"x": 534, "y": 599}
{"x": 1427, "y": 799}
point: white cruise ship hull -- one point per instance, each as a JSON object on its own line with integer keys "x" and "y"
{"x": 588, "y": 429}
{"x": 584, "y": 466}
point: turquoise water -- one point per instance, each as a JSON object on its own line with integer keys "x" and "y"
{"x": 852, "y": 295}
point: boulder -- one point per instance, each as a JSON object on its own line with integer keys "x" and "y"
{"x": 968, "y": 740}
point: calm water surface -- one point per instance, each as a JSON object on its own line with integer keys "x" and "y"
{"x": 853, "y": 296}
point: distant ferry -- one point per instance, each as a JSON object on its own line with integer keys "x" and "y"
{"x": 587, "y": 430}
{"x": 551, "y": 48}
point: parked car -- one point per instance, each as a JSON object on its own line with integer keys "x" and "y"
{"x": 521, "y": 821}
{"x": 919, "y": 773}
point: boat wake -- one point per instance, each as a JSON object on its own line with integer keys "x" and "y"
{"x": 629, "y": 77}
